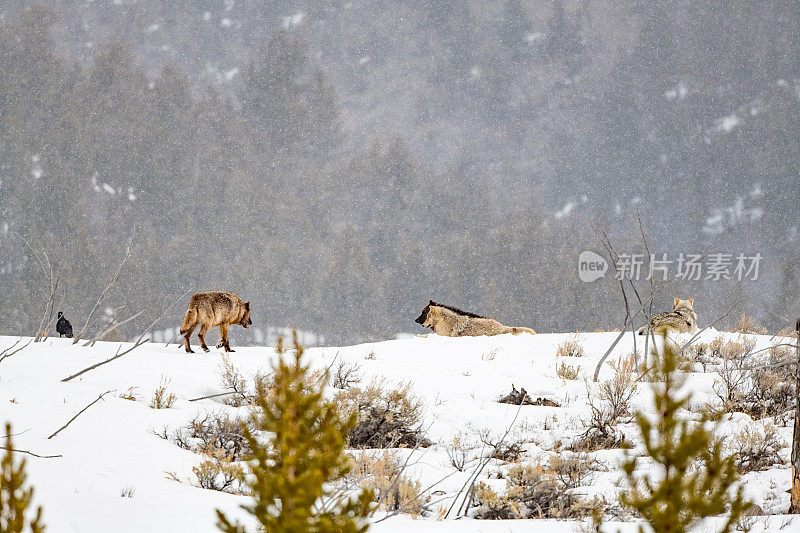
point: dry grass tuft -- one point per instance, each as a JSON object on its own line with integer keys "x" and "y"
{"x": 161, "y": 398}
{"x": 570, "y": 348}
{"x": 383, "y": 473}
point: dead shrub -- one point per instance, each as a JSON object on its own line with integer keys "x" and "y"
{"x": 570, "y": 348}
{"x": 746, "y": 325}
{"x": 459, "y": 453}
{"x": 732, "y": 371}
{"x": 492, "y": 506}
{"x": 618, "y": 391}
{"x": 161, "y": 398}
{"x": 346, "y": 375}
{"x": 787, "y": 331}
{"x": 565, "y": 371}
{"x": 383, "y": 473}
{"x": 531, "y": 492}
{"x": 758, "y": 386}
{"x": 600, "y": 433}
{"x": 757, "y": 449}
{"x": 233, "y": 381}
{"x": 700, "y": 353}
{"x": 386, "y": 417}
{"x": 573, "y": 470}
{"x": 773, "y": 386}
{"x": 216, "y": 435}
{"x": 220, "y": 474}
{"x": 508, "y": 452}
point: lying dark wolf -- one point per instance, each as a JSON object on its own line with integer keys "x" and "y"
{"x": 216, "y": 308}
{"x": 681, "y": 319}
{"x": 452, "y": 322}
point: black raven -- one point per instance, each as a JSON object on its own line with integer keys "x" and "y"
{"x": 63, "y": 327}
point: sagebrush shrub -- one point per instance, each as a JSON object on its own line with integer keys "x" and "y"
{"x": 386, "y": 417}
{"x": 758, "y": 386}
{"x": 216, "y": 435}
{"x": 220, "y": 474}
{"x": 747, "y": 325}
{"x": 756, "y": 448}
{"x": 532, "y": 491}
{"x": 383, "y": 474}
{"x": 618, "y": 391}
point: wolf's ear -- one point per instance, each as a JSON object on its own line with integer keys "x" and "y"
{"x": 430, "y": 302}
{"x": 247, "y": 305}
{"x": 677, "y": 300}
{"x": 691, "y": 302}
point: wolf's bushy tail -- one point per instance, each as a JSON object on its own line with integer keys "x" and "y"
{"x": 517, "y": 331}
{"x": 188, "y": 320}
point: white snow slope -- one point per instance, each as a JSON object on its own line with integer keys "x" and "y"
{"x": 112, "y": 446}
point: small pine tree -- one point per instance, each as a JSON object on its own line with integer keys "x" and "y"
{"x": 697, "y": 479}
{"x": 304, "y": 453}
{"x": 14, "y": 498}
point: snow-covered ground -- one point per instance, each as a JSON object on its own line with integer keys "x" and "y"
{"x": 112, "y": 447}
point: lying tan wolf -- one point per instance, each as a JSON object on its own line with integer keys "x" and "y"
{"x": 452, "y": 322}
{"x": 681, "y": 319}
{"x": 216, "y": 308}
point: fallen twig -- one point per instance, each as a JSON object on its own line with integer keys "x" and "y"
{"x": 214, "y": 396}
{"x": 29, "y": 453}
{"x": 79, "y": 414}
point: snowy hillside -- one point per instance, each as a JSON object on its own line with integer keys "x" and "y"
{"x": 112, "y": 450}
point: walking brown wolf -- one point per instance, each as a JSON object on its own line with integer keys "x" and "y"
{"x": 681, "y": 319}
{"x": 215, "y": 308}
{"x": 453, "y": 322}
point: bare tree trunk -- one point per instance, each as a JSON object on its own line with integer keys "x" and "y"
{"x": 794, "y": 505}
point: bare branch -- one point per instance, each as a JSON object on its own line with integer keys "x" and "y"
{"x": 8, "y": 352}
{"x": 77, "y": 415}
{"x": 214, "y": 396}
{"x": 628, "y": 322}
{"x": 29, "y": 453}
{"x": 141, "y": 340}
{"x": 103, "y": 294}
{"x": 470, "y": 483}
{"x": 111, "y": 327}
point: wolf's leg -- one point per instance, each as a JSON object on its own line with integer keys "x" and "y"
{"x": 223, "y": 331}
{"x": 201, "y": 335}
{"x": 186, "y": 336}
{"x": 223, "y": 335}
